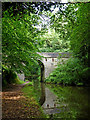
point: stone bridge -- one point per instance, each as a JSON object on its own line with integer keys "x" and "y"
{"x": 49, "y": 63}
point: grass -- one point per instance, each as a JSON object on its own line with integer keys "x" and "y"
{"x": 29, "y": 93}
{"x": 28, "y": 90}
{"x": 18, "y": 81}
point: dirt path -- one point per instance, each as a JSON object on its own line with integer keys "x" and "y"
{"x": 15, "y": 105}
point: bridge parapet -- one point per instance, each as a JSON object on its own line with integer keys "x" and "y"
{"x": 55, "y": 55}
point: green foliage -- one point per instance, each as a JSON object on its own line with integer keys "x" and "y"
{"x": 71, "y": 22}
{"x": 51, "y": 42}
{"x": 71, "y": 73}
{"x": 8, "y": 76}
{"x": 19, "y": 42}
{"x": 79, "y": 38}
{"x": 18, "y": 81}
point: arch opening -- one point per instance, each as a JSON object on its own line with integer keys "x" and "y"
{"x": 42, "y": 71}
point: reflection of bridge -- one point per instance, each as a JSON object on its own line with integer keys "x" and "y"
{"x": 49, "y": 62}
{"x": 51, "y": 59}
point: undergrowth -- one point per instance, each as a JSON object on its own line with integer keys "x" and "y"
{"x": 73, "y": 72}
{"x": 10, "y": 77}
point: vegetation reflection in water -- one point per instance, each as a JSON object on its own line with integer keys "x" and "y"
{"x": 37, "y": 89}
{"x": 73, "y": 101}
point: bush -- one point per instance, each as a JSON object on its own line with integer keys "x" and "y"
{"x": 8, "y": 76}
{"x": 73, "y": 72}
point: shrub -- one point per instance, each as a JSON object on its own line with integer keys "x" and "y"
{"x": 73, "y": 72}
{"x": 8, "y": 76}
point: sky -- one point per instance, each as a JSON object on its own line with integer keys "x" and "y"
{"x": 45, "y": 19}
{"x": 64, "y": 1}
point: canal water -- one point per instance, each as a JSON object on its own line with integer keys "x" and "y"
{"x": 64, "y": 101}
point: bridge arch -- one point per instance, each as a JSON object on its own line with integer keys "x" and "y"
{"x": 42, "y": 70}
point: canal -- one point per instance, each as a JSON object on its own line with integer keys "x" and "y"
{"x": 63, "y": 101}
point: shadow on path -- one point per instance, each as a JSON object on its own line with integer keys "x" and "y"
{"x": 16, "y": 105}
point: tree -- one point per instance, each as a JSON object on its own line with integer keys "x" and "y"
{"x": 71, "y": 22}
{"x": 19, "y": 41}
{"x": 80, "y": 36}
{"x": 51, "y": 42}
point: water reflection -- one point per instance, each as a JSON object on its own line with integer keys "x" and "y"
{"x": 43, "y": 96}
{"x": 39, "y": 89}
{"x": 63, "y": 101}
{"x": 74, "y": 100}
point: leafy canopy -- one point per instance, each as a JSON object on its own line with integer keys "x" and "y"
{"x": 19, "y": 41}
